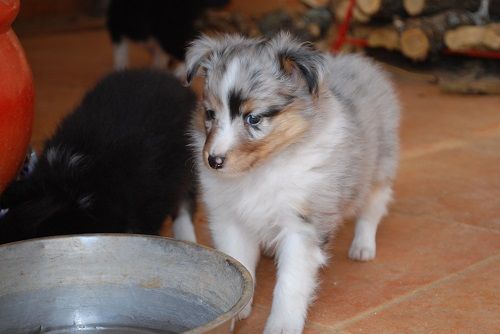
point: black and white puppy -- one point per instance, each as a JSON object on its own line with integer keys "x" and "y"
{"x": 165, "y": 27}
{"x": 119, "y": 163}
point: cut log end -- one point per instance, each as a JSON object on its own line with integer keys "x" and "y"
{"x": 415, "y": 44}
{"x": 369, "y": 7}
{"x": 414, "y": 7}
{"x": 461, "y": 39}
{"x": 474, "y": 37}
{"x": 386, "y": 38}
{"x": 340, "y": 10}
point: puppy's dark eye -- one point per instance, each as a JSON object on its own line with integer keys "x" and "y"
{"x": 253, "y": 119}
{"x": 209, "y": 114}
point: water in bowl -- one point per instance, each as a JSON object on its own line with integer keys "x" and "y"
{"x": 103, "y": 309}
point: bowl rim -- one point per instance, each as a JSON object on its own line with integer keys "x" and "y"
{"x": 247, "y": 289}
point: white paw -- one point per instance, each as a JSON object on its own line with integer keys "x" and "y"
{"x": 183, "y": 227}
{"x": 362, "y": 251}
{"x": 283, "y": 326}
{"x": 245, "y": 313}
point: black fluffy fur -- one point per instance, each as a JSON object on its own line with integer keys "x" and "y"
{"x": 130, "y": 168}
{"x": 171, "y": 23}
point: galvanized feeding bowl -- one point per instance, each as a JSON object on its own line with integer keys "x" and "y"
{"x": 119, "y": 284}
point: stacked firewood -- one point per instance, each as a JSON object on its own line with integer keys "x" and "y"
{"x": 422, "y": 28}
{"x": 310, "y": 22}
{"x": 418, "y": 29}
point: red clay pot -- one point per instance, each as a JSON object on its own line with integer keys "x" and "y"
{"x": 16, "y": 96}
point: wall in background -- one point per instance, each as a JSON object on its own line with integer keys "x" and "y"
{"x": 49, "y": 8}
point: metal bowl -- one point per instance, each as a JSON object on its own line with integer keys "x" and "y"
{"x": 115, "y": 283}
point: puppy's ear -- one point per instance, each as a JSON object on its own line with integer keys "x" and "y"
{"x": 299, "y": 60}
{"x": 198, "y": 52}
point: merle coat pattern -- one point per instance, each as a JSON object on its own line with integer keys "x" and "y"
{"x": 289, "y": 143}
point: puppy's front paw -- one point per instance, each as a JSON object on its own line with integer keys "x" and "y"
{"x": 245, "y": 313}
{"x": 362, "y": 251}
{"x": 283, "y": 326}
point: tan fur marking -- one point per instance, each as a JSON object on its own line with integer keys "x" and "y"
{"x": 199, "y": 117}
{"x": 287, "y": 64}
{"x": 247, "y": 107}
{"x": 289, "y": 127}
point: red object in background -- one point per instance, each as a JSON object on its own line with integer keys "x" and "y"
{"x": 343, "y": 28}
{"x": 16, "y": 96}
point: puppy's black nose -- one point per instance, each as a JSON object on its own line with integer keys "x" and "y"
{"x": 216, "y": 162}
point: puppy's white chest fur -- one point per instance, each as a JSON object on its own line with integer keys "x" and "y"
{"x": 268, "y": 199}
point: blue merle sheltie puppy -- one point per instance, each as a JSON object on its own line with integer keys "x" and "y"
{"x": 119, "y": 163}
{"x": 290, "y": 142}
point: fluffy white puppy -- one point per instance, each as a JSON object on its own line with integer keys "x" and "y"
{"x": 290, "y": 142}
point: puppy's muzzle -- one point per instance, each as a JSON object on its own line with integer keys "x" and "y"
{"x": 216, "y": 162}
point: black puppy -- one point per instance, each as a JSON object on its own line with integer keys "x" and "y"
{"x": 119, "y": 163}
{"x": 164, "y": 26}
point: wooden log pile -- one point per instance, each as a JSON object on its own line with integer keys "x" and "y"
{"x": 312, "y": 23}
{"x": 463, "y": 38}
{"x": 420, "y": 29}
{"x": 386, "y": 9}
{"x": 420, "y": 37}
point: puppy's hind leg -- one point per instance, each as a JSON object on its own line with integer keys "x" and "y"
{"x": 363, "y": 247}
{"x": 120, "y": 53}
{"x": 180, "y": 71}
{"x": 160, "y": 58}
{"x": 183, "y": 224}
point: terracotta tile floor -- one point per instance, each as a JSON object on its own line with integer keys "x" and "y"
{"x": 438, "y": 264}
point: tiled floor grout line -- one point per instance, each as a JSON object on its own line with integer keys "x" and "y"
{"x": 323, "y": 328}
{"x": 437, "y": 147}
{"x": 310, "y": 324}
{"x": 443, "y": 220}
{"x": 449, "y": 144}
{"x": 365, "y": 314}
{"x": 260, "y": 307}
